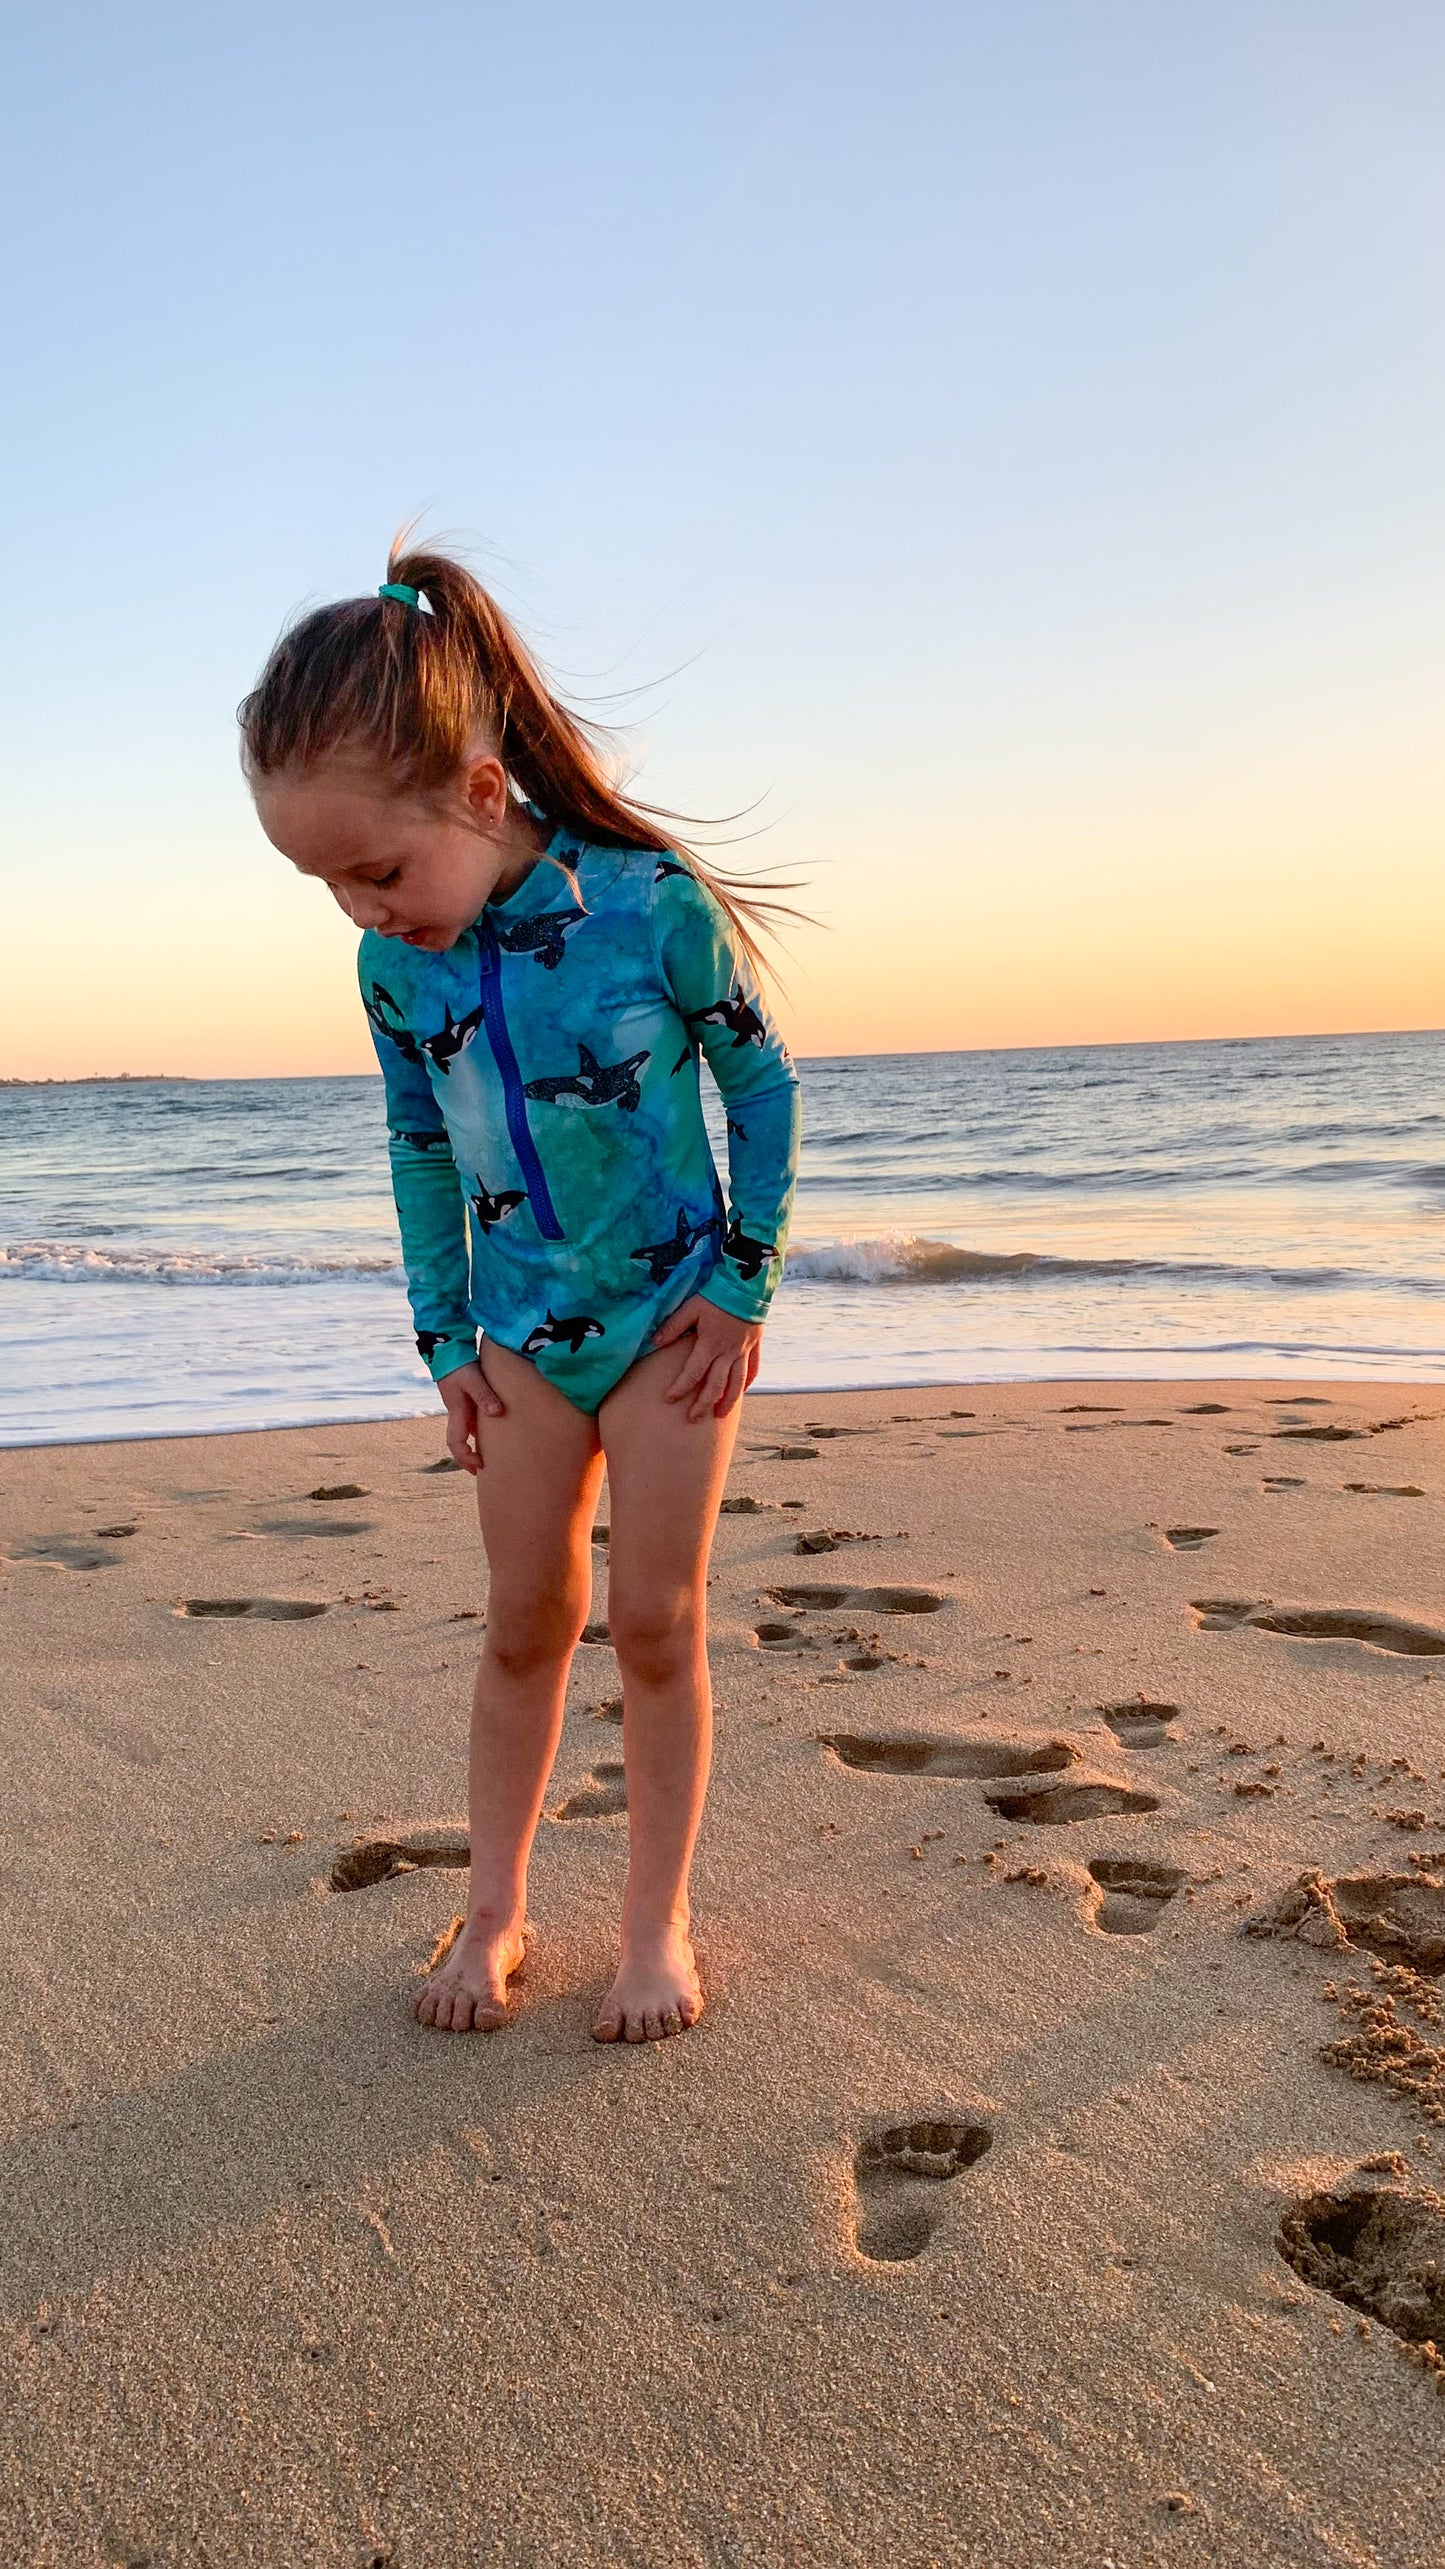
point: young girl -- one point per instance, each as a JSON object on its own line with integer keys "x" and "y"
{"x": 541, "y": 969}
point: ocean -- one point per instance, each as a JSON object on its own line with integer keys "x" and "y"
{"x": 190, "y": 1255}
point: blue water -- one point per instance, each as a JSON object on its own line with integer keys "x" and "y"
{"x": 192, "y": 1255}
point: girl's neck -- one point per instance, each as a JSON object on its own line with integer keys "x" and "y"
{"x": 520, "y": 842}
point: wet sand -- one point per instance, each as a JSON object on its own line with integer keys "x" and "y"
{"x": 1004, "y": 2209}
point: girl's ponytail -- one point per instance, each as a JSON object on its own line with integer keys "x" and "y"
{"x": 411, "y": 685}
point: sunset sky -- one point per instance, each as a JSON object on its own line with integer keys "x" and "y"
{"x": 1000, "y": 443}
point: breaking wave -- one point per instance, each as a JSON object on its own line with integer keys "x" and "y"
{"x": 898, "y": 1257}
{"x": 77, "y": 1262}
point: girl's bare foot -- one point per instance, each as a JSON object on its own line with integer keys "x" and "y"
{"x": 656, "y": 1992}
{"x": 466, "y": 1992}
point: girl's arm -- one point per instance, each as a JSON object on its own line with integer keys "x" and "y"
{"x": 429, "y": 1207}
{"x": 716, "y": 992}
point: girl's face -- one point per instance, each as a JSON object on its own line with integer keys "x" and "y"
{"x": 417, "y": 867}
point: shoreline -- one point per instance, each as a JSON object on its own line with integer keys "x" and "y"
{"x": 1140, "y": 1384}
{"x": 953, "y": 2232}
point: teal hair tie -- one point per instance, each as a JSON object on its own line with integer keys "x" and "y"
{"x": 398, "y": 589}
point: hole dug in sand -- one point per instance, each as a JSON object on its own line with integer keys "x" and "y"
{"x": 1380, "y": 2250}
{"x": 896, "y": 2172}
{"x": 1140, "y": 1724}
{"x": 1399, "y": 1916}
{"x": 870, "y": 1601}
{"x": 952, "y": 1757}
{"x": 1133, "y": 1894}
{"x": 1058, "y": 1804}
{"x": 373, "y": 1860}
{"x": 1188, "y": 1538}
{"x": 1320, "y": 1623}
{"x": 260, "y": 1609}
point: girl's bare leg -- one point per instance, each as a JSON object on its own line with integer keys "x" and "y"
{"x": 536, "y": 1496}
{"x": 666, "y": 1477}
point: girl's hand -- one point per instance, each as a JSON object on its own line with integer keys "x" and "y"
{"x": 722, "y": 1361}
{"x": 468, "y": 1396}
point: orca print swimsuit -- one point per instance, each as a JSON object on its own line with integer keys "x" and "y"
{"x": 554, "y": 1182}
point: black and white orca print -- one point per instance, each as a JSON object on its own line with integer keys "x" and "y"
{"x": 684, "y": 1057}
{"x": 737, "y": 1014}
{"x": 596, "y": 1083}
{"x": 544, "y": 937}
{"x": 428, "y": 1141}
{"x": 491, "y": 1209}
{"x": 380, "y": 1007}
{"x": 665, "y": 1256}
{"x": 747, "y": 1255}
{"x": 669, "y": 865}
{"x": 427, "y": 1343}
{"x": 569, "y": 1333}
{"x": 442, "y": 1048}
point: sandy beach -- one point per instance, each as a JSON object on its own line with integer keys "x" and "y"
{"x": 1000, "y": 2210}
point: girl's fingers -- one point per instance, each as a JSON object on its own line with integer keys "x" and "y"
{"x": 677, "y": 1326}
{"x": 689, "y": 1375}
{"x": 711, "y": 1388}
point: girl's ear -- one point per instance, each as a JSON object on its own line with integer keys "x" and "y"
{"x": 485, "y": 785}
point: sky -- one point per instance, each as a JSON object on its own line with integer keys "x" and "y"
{"x": 998, "y": 448}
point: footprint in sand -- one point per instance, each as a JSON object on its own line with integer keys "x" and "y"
{"x": 871, "y": 1601}
{"x": 1379, "y": 2249}
{"x": 1320, "y": 1623}
{"x": 784, "y": 1636}
{"x": 342, "y": 1490}
{"x": 67, "y": 1551}
{"x": 1133, "y": 1894}
{"x": 1398, "y": 1916}
{"x": 1188, "y": 1538}
{"x": 1364, "y": 1489}
{"x": 260, "y": 1609}
{"x": 373, "y": 1860}
{"x": 1059, "y": 1804}
{"x": 1206, "y": 1409}
{"x": 896, "y": 2175}
{"x": 951, "y": 1757}
{"x": 604, "y": 1792}
{"x": 1274, "y": 1482}
{"x": 1140, "y": 1724}
{"x": 1332, "y": 1435}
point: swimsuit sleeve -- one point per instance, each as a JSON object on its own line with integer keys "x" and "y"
{"x": 717, "y": 994}
{"x": 429, "y": 1210}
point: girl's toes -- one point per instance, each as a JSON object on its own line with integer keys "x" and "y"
{"x": 462, "y": 2012}
{"x": 654, "y": 2027}
{"x": 672, "y": 2022}
{"x": 634, "y": 2030}
{"x": 608, "y": 2028}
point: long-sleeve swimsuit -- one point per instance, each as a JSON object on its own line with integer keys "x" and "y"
{"x": 554, "y": 1182}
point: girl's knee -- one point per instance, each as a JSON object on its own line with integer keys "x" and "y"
{"x": 657, "y": 1638}
{"x": 535, "y": 1633}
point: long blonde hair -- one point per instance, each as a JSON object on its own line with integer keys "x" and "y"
{"x": 413, "y": 688}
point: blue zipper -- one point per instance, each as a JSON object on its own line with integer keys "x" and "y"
{"x": 514, "y": 1096}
